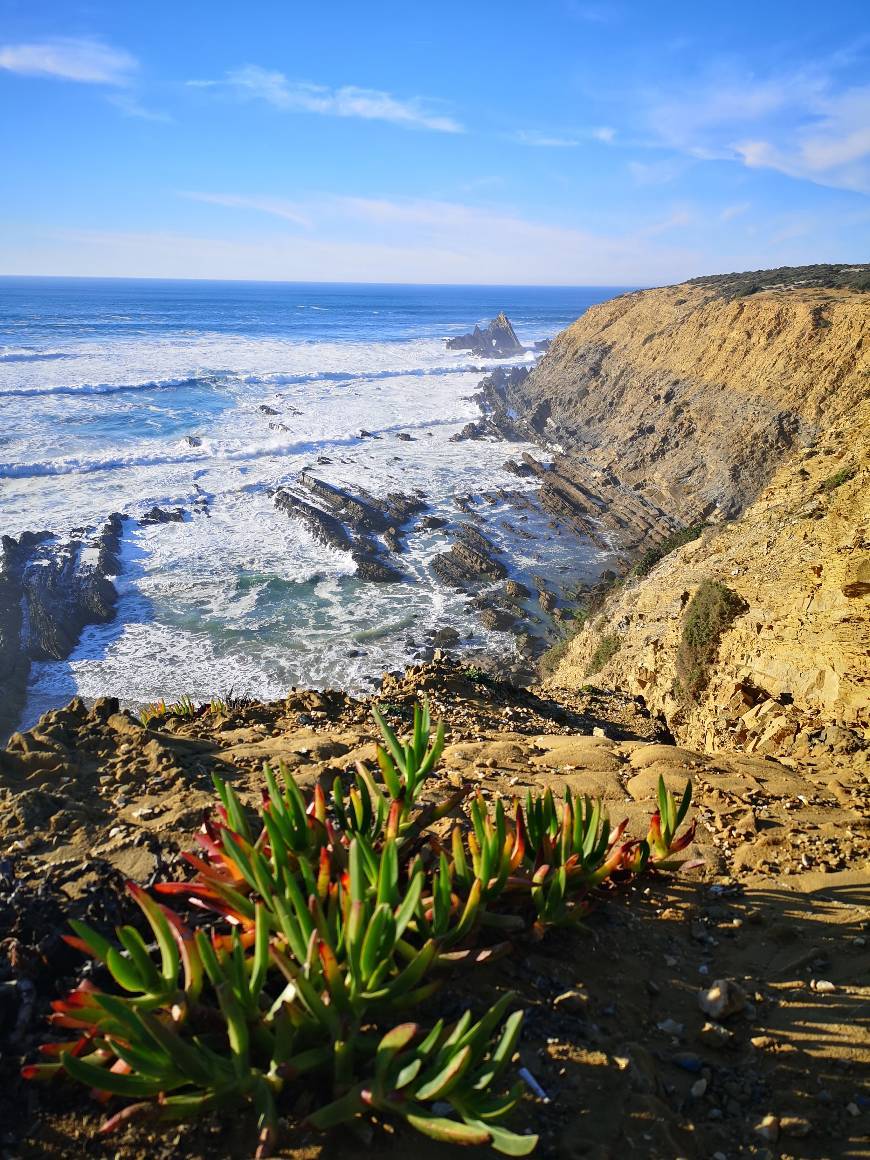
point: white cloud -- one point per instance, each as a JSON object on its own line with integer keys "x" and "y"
{"x": 802, "y": 123}
{"x": 544, "y": 140}
{"x": 404, "y": 240}
{"x": 347, "y": 101}
{"x": 276, "y": 206}
{"x": 131, "y": 107}
{"x": 732, "y": 211}
{"x": 604, "y": 133}
{"x": 87, "y": 61}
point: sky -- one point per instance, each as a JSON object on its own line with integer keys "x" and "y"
{"x": 561, "y": 142}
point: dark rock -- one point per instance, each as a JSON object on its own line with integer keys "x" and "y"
{"x": 543, "y": 344}
{"x": 405, "y": 437}
{"x": 431, "y": 523}
{"x": 497, "y": 340}
{"x": 516, "y": 591}
{"x": 266, "y": 410}
{"x": 159, "y": 515}
{"x": 471, "y": 561}
{"x": 445, "y": 638}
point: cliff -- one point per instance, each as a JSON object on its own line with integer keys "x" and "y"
{"x": 691, "y": 399}
{"x": 751, "y": 414}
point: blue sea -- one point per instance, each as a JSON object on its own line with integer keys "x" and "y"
{"x": 116, "y": 395}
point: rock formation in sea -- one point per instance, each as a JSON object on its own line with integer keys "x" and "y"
{"x": 497, "y": 340}
{"x": 50, "y": 588}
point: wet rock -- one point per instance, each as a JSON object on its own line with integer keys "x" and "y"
{"x": 470, "y": 562}
{"x": 159, "y": 515}
{"x": 498, "y": 340}
{"x": 266, "y": 410}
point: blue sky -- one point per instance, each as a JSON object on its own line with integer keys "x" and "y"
{"x": 563, "y": 142}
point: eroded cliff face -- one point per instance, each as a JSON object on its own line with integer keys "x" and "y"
{"x": 756, "y": 410}
{"x": 692, "y": 400}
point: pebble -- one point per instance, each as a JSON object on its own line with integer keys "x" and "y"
{"x": 715, "y": 1035}
{"x": 853, "y": 1109}
{"x": 823, "y": 986}
{"x": 670, "y": 1027}
{"x": 575, "y": 1001}
{"x": 698, "y": 1088}
{"x": 687, "y": 1061}
{"x": 795, "y": 1126}
{"x": 724, "y": 998}
{"x": 767, "y": 1128}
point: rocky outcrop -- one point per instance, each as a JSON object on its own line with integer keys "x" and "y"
{"x": 791, "y": 675}
{"x": 50, "y": 589}
{"x": 498, "y": 340}
{"x": 358, "y": 524}
{"x": 689, "y": 399}
{"x": 471, "y": 561}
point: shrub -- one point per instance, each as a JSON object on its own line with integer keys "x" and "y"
{"x": 652, "y": 556}
{"x": 710, "y": 611}
{"x": 607, "y": 647}
{"x": 324, "y": 920}
{"x": 838, "y": 478}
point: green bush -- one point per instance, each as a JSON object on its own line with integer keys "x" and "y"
{"x": 838, "y": 478}
{"x": 607, "y": 647}
{"x": 710, "y": 611}
{"x": 652, "y": 556}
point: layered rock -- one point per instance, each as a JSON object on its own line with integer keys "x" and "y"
{"x": 358, "y": 524}
{"x": 691, "y": 399}
{"x": 791, "y": 675}
{"x": 50, "y": 589}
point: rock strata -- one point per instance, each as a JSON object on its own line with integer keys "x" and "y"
{"x": 50, "y": 589}
{"x": 360, "y": 524}
{"x": 498, "y": 340}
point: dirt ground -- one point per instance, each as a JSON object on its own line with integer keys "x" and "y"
{"x": 614, "y": 1035}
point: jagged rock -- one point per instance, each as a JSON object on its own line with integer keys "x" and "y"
{"x": 159, "y": 515}
{"x": 471, "y": 561}
{"x": 267, "y": 410}
{"x": 497, "y": 340}
{"x": 49, "y": 590}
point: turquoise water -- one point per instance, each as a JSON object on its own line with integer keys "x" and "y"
{"x": 119, "y": 394}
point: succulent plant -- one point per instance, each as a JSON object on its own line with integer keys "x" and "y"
{"x": 324, "y": 919}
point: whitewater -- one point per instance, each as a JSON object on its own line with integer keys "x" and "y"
{"x": 117, "y": 395}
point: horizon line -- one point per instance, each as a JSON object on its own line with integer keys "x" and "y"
{"x": 344, "y": 282}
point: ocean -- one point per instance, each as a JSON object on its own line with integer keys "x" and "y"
{"x": 116, "y": 395}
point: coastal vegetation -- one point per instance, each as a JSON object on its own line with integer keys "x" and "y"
{"x": 710, "y": 611}
{"x": 331, "y": 917}
{"x": 654, "y": 555}
{"x": 607, "y": 647}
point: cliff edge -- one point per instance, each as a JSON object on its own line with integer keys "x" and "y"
{"x": 749, "y": 414}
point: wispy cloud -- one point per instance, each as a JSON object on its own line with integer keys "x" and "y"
{"x": 276, "y": 206}
{"x": 544, "y": 140}
{"x": 67, "y": 58}
{"x": 802, "y": 123}
{"x": 256, "y": 83}
{"x": 130, "y": 106}
{"x": 730, "y": 212}
{"x": 406, "y": 239}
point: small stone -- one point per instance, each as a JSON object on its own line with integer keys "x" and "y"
{"x": 575, "y": 1002}
{"x": 760, "y": 1042}
{"x": 687, "y": 1061}
{"x": 795, "y": 1126}
{"x": 598, "y": 732}
{"x": 715, "y": 1035}
{"x": 823, "y": 986}
{"x": 670, "y": 1027}
{"x": 724, "y": 998}
{"x": 767, "y": 1128}
{"x": 698, "y": 1088}
{"x": 853, "y": 1109}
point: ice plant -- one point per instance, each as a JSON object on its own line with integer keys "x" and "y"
{"x": 324, "y": 918}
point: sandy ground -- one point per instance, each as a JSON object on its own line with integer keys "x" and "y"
{"x": 615, "y": 1035}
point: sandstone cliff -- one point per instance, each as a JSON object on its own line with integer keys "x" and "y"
{"x": 691, "y": 399}
{"x": 751, "y": 413}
